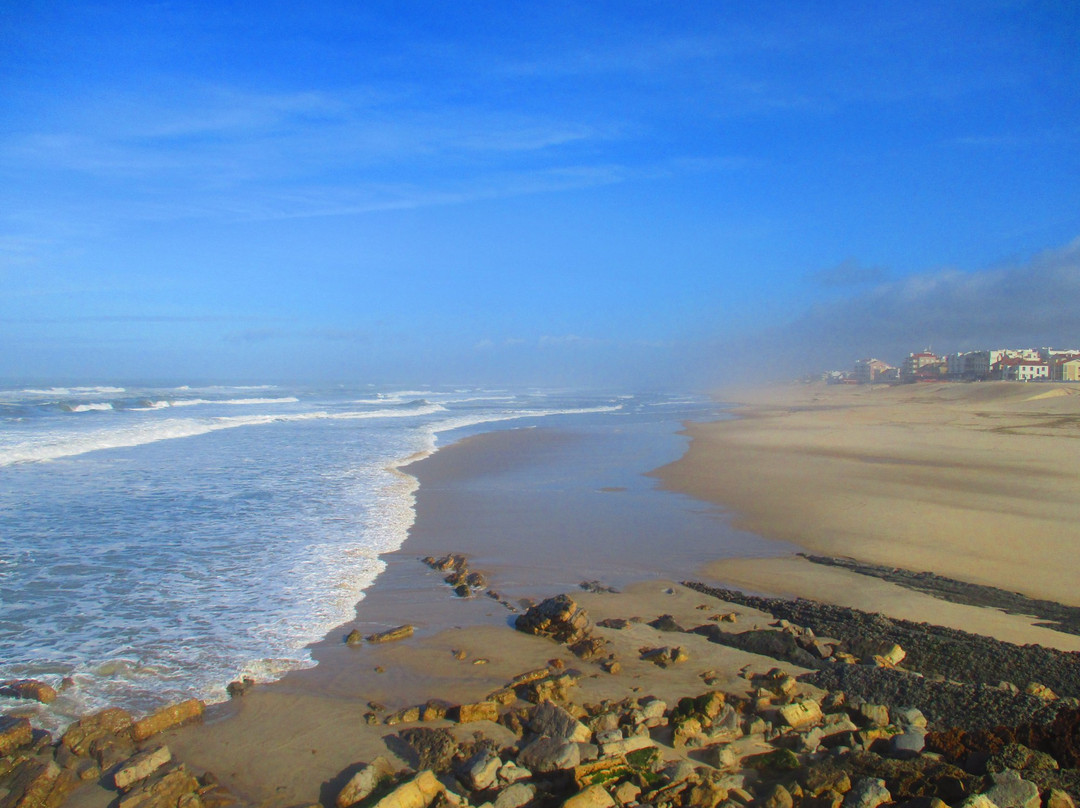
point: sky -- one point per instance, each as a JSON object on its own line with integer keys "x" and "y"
{"x": 625, "y": 193}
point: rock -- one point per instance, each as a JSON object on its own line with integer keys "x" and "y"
{"x": 550, "y": 754}
{"x": 1056, "y": 798}
{"x": 480, "y": 711}
{"x": 167, "y": 718}
{"x": 551, "y": 720}
{"x": 617, "y": 623}
{"x": 775, "y": 760}
{"x": 419, "y": 792}
{"x": 28, "y": 689}
{"x": 978, "y": 801}
{"x": 892, "y": 656}
{"x": 627, "y": 792}
{"x": 559, "y": 618}
{"x": 534, "y": 675}
{"x": 240, "y": 687}
{"x": 800, "y": 714}
{"x": 391, "y": 634}
{"x": 874, "y": 715}
{"x": 437, "y": 709}
{"x": 678, "y": 771}
{"x": 592, "y": 797}
{"x": 84, "y": 733}
{"x": 910, "y": 717}
{"x": 479, "y": 771}
{"x": 406, "y": 715}
{"x": 364, "y": 782}
{"x": 166, "y": 791}
{"x": 515, "y": 796}
{"x": 868, "y": 792}
{"x": 720, "y": 756}
{"x": 664, "y": 657}
{"x": 140, "y": 767}
{"x": 706, "y": 794}
{"x": 908, "y": 744}
{"x": 589, "y": 648}
{"x": 35, "y": 783}
{"x": 666, "y": 622}
{"x": 511, "y": 772}
{"x": 15, "y": 733}
{"x": 451, "y": 561}
{"x": 354, "y": 638}
{"x": 1009, "y": 790}
{"x": 434, "y": 748}
{"x": 778, "y": 797}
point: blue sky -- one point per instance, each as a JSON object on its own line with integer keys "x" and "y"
{"x": 551, "y": 193}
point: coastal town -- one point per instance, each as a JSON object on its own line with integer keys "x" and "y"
{"x": 1001, "y": 364}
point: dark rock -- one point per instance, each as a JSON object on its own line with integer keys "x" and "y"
{"x": 28, "y": 689}
{"x": 434, "y": 748}
{"x": 558, "y": 618}
{"x": 666, "y": 622}
{"x": 239, "y": 687}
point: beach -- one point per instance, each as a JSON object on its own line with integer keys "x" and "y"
{"x": 971, "y": 482}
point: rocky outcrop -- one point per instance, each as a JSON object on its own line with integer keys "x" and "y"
{"x": 167, "y": 718}
{"x": 28, "y": 689}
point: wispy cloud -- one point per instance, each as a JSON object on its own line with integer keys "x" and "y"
{"x": 849, "y": 272}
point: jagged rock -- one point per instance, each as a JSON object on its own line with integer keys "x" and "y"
{"x": 165, "y": 791}
{"x": 1009, "y": 790}
{"x": 720, "y": 756}
{"x": 15, "y": 733}
{"x": 555, "y": 722}
{"x": 140, "y": 767}
{"x": 800, "y": 714}
{"x": 550, "y": 754}
{"x": 868, "y": 792}
{"x": 678, "y": 771}
{"x": 419, "y": 792}
{"x": 534, "y": 675}
{"x": 452, "y": 561}
{"x": 28, "y": 689}
{"x": 592, "y": 797}
{"x": 406, "y": 715}
{"x": 891, "y": 656}
{"x": 515, "y": 796}
{"x": 35, "y": 783}
{"x": 559, "y": 618}
{"x": 434, "y": 748}
{"x": 479, "y": 772}
{"x": 1021, "y": 758}
{"x": 815, "y": 780}
{"x": 480, "y": 711}
{"x": 166, "y": 718}
{"x": 589, "y": 648}
{"x": 354, "y": 638}
{"x": 553, "y": 688}
{"x": 93, "y": 729}
{"x": 436, "y": 709}
{"x": 652, "y": 711}
{"x": 726, "y": 726}
{"x": 666, "y": 622}
{"x": 364, "y": 782}
{"x": 706, "y": 794}
{"x": 391, "y": 634}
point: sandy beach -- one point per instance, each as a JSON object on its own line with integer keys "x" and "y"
{"x": 973, "y": 482}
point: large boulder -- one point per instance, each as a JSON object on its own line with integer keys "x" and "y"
{"x": 14, "y": 734}
{"x": 419, "y": 792}
{"x": 166, "y": 718}
{"x": 35, "y": 783}
{"x": 550, "y": 754}
{"x": 364, "y": 782}
{"x": 551, "y": 720}
{"x": 28, "y": 689}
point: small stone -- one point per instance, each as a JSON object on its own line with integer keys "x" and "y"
{"x": 720, "y": 756}
{"x": 480, "y": 711}
{"x": 511, "y": 772}
{"x": 893, "y": 656}
{"x": 908, "y": 744}
{"x": 910, "y": 717}
{"x": 239, "y": 687}
{"x": 779, "y": 797}
{"x": 480, "y": 771}
{"x": 800, "y": 714}
{"x": 458, "y": 654}
{"x": 354, "y": 638}
{"x": 550, "y": 754}
{"x": 515, "y": 796}
{"x": 627, "y": 792}
{"x": 868, "y": 792}
{"x": 595, "y": 796}
{"x": 874, "y": 715}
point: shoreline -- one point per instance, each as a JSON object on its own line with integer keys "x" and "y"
{"x": 288, "y": 742}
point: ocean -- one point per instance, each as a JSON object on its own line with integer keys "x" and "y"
{"x": 157, "y": 543}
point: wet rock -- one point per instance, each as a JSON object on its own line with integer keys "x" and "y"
{"x": 555, "y": 722}
{"x": 15, "y": 733}
{"x": 140, "y": 767}
{"x": 1009, "y": 790}
{"x": 558, "y": 618}
{"x": 868, "y": 792}
{"x": 166, "y": 718}
{"x": 451, "y": 561}
{"x": 28, "y": 689}
{"x": 239, "y": 687}
{"x": 434, "y": 748}
{"x": 36, "y": 783}
{"x": 391, "y": 634}
{"x": 550, "y": 754}
{"x": 96, "y": 729}
{"x": 364, "y": 782}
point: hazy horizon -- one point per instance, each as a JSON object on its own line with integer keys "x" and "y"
{"x": 631, "y": 195}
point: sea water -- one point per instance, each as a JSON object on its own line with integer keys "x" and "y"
{"x": 156, "y": 543}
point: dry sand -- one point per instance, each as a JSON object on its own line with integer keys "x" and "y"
{"x": 979, "y": 482}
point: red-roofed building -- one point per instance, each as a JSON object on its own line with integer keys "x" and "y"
{"x": 1021, "y": 370}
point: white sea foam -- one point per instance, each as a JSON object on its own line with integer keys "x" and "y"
{"x": 53, "y": 447}
{"x": 229, "y": 402}
{"x": 96, "y": 407}
{"x": 73, "y": 391}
